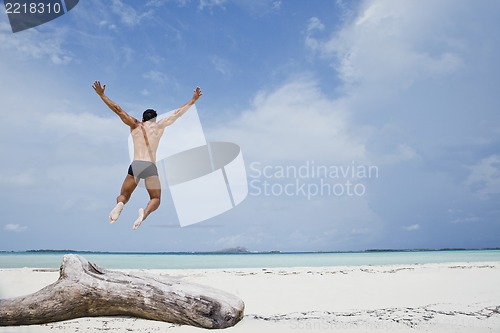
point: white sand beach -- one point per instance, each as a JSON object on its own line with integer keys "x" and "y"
{"x": 455, "y": 297}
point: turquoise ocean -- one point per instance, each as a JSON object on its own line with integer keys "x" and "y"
{"x": 248, "y": 260}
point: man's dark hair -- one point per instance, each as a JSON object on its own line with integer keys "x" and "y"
{"x": 148, "y": 115}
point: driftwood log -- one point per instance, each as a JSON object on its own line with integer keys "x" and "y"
{"x": 86, "y": 290}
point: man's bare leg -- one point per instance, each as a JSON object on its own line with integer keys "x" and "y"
{"x": 153, "y": 187}
{"x": 128, "y": 187}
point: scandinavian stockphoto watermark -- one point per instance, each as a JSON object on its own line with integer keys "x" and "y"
{"x": 205, "y": 179}
{"x": 26, "y": 14}
{"x": 310, "y": 179}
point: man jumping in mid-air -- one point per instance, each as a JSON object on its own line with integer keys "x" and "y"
{"x": 146, "y": 137}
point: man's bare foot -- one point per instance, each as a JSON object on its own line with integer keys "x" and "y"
{"x": 115, "y": 213}
{"x": 139, "y": 220}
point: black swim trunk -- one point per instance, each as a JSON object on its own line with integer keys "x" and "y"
{"x": 142, "y": 169}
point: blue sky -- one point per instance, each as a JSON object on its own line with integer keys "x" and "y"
{"x": 408, "y": 88}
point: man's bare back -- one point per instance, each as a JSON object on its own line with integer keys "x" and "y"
{"x": 146, "y": 135}
{"x": 153, "y": 133}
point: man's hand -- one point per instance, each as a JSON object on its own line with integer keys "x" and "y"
{"x": 98, "y": 89}
{"x": 197, "y": 94}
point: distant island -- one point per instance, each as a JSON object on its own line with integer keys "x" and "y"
{"x": 55, "y": 251}
{"x": 238, "y": 249}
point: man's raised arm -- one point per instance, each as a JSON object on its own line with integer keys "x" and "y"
{"x": 181, "y": 110}
{"x": 124, "y": 116}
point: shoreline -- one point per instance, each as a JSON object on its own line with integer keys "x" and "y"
{"x": 247, "y": 260}
{"x": 441, "y": 297}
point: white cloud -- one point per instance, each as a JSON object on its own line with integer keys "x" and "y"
{"x": 401, "y": 153}
{"x": 17, "y": 178}
{"x": 484, "y": 177}
{"x": 295, "y": 122}
{"x": 360, "y": 231}
{"x": 259, "y": 8}
{"x": 467, "y": 219}
{"x": 315, "y": 24}
{"x": 156, "y": 76}
{"x": 56, "y": 134}
{"x": 221, "y": 65}
{"x": 182, "y": 3}
{"x": 389, "y": 46}
{"x": 405, "y": 69}
{"x": 127, "y": 53}
{"x": 15, "y": 228}
{"x": 35, "y": 44}
{"x": 156, "y": 59}
{"x": 92, "y": 128}
{"x": 128, "y": 15}
{"x": 107, "y": 24}
{"x": 211, "y": 4}
{"x": 413, "y": 227}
